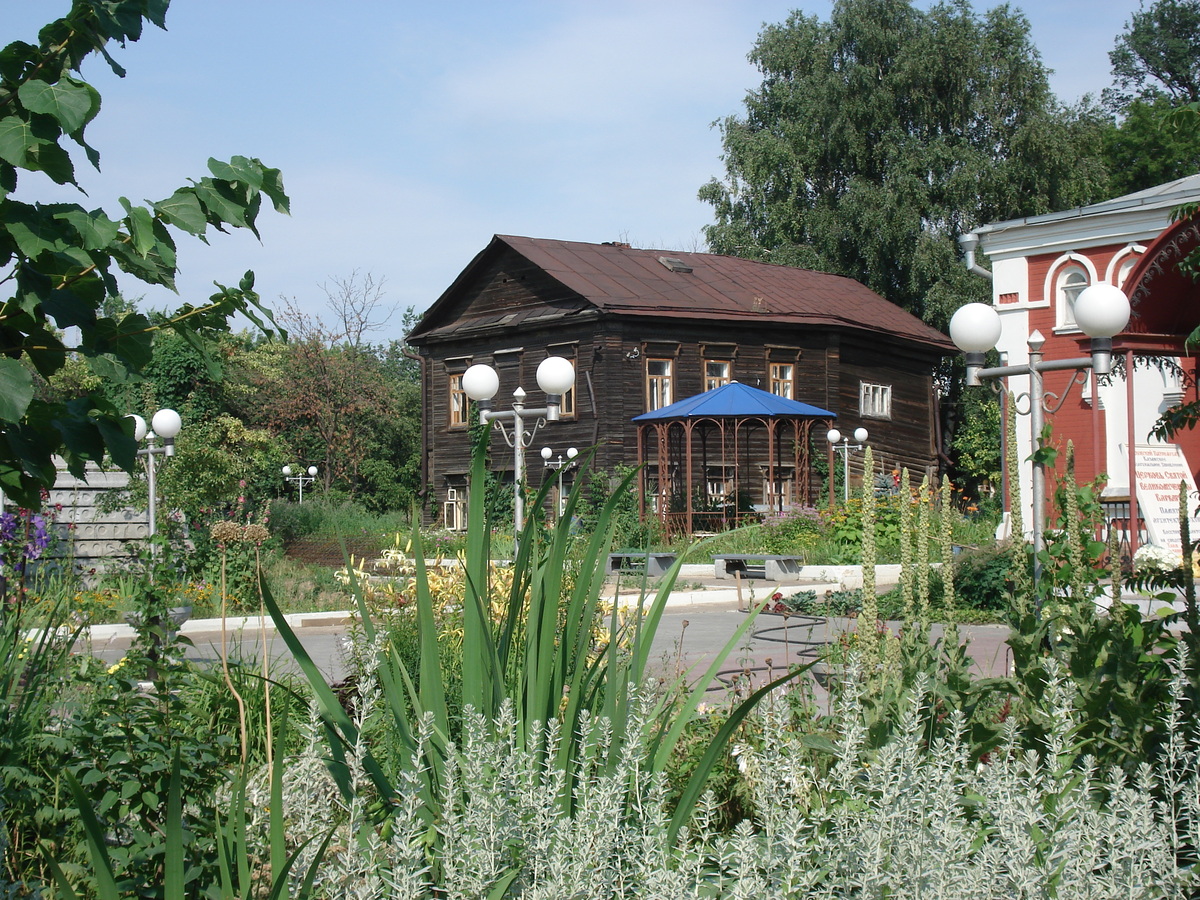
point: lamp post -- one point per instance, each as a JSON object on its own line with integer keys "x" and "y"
{"x": 164, "y": 424}
{"x": 559, "y": 465}
{"x": 1101, "y": 312}
{"x": 300, "y": 479}
{"x": 555, "y": 376}
{"x": 845, "y": 447}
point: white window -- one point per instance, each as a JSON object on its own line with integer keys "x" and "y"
{"x": 454, "y": 509}
{"x": 716, "y": 373}
{"x": 1069, "y": 283}
{"x": 658, "y": 383}
{"x": 875, "y": 400}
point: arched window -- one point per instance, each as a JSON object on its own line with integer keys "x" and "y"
{"x": 1070, "y": 281}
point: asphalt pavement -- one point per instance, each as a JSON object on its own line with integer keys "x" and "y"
{"x": 699, "y": 622}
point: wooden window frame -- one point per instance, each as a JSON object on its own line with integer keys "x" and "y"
{"x": 459, "y": 409}
{"x": 775, "y": 379}
{"x": 712, "y": 382}
{"x": 666, "y": 393}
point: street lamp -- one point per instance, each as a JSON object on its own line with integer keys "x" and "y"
{"x": 559, "y": 465}
{"x": 555, "y": 376}
{"x": 1101, "y": 312}
{"x": 845, "y": 447}
{"x": 164, "y": 424}
{"x": 300, "y": 479}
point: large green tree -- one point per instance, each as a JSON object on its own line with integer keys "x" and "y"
{"x": 1142, "y": 150}
{"x": 1157, "y": 55}
{"x": 58, "y": 261}
{"x": 879, "y": 135}
{"x": 1156, "y": 69}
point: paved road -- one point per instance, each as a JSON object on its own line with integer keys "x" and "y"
{"x": 696, "y": 626}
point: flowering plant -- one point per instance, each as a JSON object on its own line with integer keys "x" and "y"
{"x": 1153, "y": 558}
{"x": 24, "y": 537}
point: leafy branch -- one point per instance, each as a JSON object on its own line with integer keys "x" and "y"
{"x": 62, "y": 260}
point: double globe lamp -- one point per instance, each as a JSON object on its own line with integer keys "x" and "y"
{"x": 1101, "y": 311}
{"x": 555, "y": 376}
{"x": 165, "y": 424}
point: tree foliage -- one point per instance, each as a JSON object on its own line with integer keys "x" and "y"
{"x": 1143, "y": 150}
{"x": 878, "y": 136}
{"x": 351, "y": 408}
{"x": 59, "y": 261}
{"x": 1158, "y": 55}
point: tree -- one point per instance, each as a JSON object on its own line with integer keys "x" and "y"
{"x": 1143, "y": 151}
{"x": 351, "y": 410}
{"x": 58, "y": 260}
{"x": 357, "y": 302}
{"x": 878, "y": 136}
{"x": 1157, "y": 56}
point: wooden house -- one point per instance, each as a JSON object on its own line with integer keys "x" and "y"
{"x": 647, "y": 328}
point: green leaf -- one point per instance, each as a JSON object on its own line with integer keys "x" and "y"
{"x": 17, "y": 142}
{"x": 182, "y": 209}
{"x": 221, "y": 202}
{"x": 34, "y": 231}
{"x": 72, "y": 103}
{"x": 237, "y": 169}
{"x": 16, "y": 389}
{"x": 55, "y": 162}
{"x": 140, "y": 223}
{"x": 95, "y": 229}
{"x": 67, "y": 308}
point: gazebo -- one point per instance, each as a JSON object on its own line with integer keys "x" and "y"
{"x": 727, "y": 456}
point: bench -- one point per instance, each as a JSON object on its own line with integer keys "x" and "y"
{"x": 653, "y": 565}
{"x": 757, "y": 565}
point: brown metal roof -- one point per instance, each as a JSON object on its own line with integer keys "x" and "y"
{"x": 623, "y": 280}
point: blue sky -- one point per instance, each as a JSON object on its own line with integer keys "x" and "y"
{"x": 409, "y": 133}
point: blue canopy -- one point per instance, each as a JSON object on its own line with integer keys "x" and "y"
{"x": 735, "y": 400}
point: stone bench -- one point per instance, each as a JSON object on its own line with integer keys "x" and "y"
{"x": 653, "y": 564}
{"x": 757, "y": 565}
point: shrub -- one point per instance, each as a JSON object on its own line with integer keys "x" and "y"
{"x": 983, "y": 578}
{"x": 795, "y": 530}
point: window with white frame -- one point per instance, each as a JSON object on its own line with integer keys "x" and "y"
{"x": 875, "y": 400}
{"x": 716, "y": 373}
{"x": 658, "y": 383}
{"x": 1068, "y": 285}
{"x": 781, "y": 379}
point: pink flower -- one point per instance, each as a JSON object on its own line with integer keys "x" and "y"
{"x": 241, "y": 499}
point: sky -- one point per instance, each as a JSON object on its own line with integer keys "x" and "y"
{"x": 409, "y": 133}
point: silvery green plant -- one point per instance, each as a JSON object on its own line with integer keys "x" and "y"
{"x": 920, "y": 819}
{"x": 840, "y": 818}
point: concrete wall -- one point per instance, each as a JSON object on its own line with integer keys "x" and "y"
{"x": 97, "y": 536}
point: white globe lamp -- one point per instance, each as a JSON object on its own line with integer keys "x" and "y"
{"x": 166, "y": 424}
{"x": 139, "y": 428}
{"x": 555, "y": 375}
{"x": 480, "y": 382}
{"x": 1102, "y": 311}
